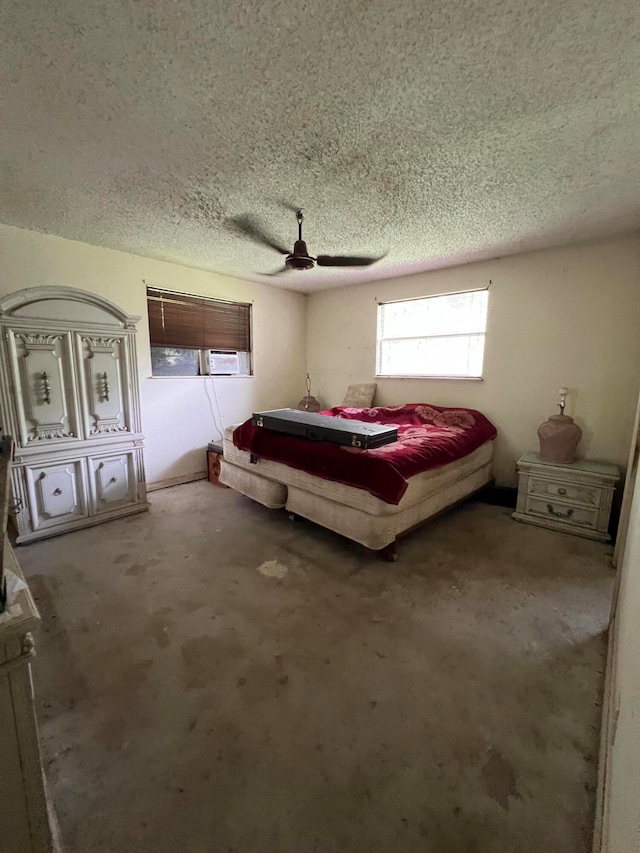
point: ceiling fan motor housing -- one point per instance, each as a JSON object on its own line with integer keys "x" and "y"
{"x": 299, "y": 259}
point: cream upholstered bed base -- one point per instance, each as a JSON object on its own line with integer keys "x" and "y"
{"x": 378, "y": 531}
{"x": 349, "y": 511}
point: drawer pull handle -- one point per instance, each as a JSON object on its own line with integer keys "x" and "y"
{"x": 15, "y": 506}
{"x": 113, "y": 480}
{"x": 57, "y": 491}
{"x": 557, "y": 514}
{"x": 46, "y": 387}
{"x": 105, "y": 387}
{"x": 562, "y": 491}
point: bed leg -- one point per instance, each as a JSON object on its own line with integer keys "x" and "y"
{"x": 390, "y": 552}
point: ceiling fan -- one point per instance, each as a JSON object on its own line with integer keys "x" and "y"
{"x": 300, "y": 259}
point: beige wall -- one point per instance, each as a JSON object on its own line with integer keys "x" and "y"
{"x": 567, "y": 316}
{"x": 176, "y": 412}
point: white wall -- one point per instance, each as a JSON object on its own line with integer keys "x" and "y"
{"x": 176, "y": 412}
{"x": 566, "y": 316}
{"x": 621, "y": 829}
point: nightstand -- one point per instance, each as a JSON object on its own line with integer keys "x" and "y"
{"x": 574, "y": 498}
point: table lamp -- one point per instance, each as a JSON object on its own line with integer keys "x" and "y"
{"x": 559, "y": 436}
{"x": 309, "y": 403}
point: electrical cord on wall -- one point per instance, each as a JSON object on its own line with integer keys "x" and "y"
{"x": 218, "y": 424}
{"x": 215, "y": 397}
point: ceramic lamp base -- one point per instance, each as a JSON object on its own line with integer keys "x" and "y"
{"x": 309, "y": 404}
{"x": 559, "y": 438}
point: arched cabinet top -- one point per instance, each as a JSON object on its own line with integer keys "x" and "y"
{"x": 64, "y": 303}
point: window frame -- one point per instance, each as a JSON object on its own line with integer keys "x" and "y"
{"x": 203, "y": 359}
{"x": 454, "y": 378}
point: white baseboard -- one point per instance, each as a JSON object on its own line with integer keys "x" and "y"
{"x": 176, "y": 481}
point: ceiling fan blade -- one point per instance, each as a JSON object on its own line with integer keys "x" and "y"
{"x": 345, "y": 261}
{"x": 249, "y": 228}
{"x": 294, "y": 208}
{"x": 277, "y": 272}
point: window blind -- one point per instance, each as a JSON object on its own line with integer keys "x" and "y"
{"x": 180, "y": 320}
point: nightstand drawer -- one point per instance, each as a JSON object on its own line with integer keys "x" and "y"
{"x": 575, "y": 494}
{"x": 579, "y": 515}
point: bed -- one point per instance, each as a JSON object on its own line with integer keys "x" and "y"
{"x": 442, "y": 456}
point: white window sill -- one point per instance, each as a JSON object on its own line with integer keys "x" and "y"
{"x": 428, "y": 376}
{"x": 209, "y": 376}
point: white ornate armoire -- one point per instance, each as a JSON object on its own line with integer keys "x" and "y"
{"x": 69, "y": 397}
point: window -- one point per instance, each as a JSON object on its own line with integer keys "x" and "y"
{"x": 195, "y": 336}
{"x": 439, "y": 336}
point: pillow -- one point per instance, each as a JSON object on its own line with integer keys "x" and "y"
{"x": 360, "y": 396}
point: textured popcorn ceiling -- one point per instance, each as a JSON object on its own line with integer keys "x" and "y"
{"x": 440, "y": 132}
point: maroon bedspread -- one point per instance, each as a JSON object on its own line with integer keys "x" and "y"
{"x": 428, "y": 436}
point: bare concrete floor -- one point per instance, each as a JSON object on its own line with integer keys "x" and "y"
{"x": 189, "y": 702}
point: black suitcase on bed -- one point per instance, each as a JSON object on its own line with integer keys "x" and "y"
{"x": 326, "y": 428}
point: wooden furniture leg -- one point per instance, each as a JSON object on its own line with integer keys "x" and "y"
{"x": 390, "y": 552}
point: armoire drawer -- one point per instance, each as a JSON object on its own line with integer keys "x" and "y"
{"x": 57, "y": 493}
{"x": 112, "y": 480}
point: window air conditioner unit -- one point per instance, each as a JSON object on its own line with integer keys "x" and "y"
{"x": 224, "y": 363}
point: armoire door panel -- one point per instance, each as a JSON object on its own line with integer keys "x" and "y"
{"x": 57, "y": 493}
{"x": 106, "y": 395}
{"x": 44, "y": 385}
{"x": 114, "y": 481}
